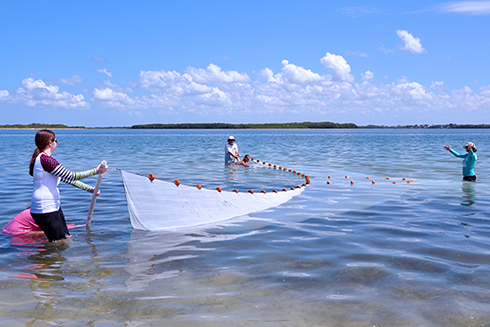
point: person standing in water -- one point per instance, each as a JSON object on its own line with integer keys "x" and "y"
{"x": 47, "y": 174}
{"x": 231, "y": 151}
{"x": 469, "y": 160}
{"x": 244, "y": 161}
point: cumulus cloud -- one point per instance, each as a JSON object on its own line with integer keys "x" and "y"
{"x": 113, "y": 98}
{"x": 367, "y": 76}
{"x": 105, "y": 72}
{"x": 213, "y": 92}
{"x": 214, "y": 75}
{"x": 410, "y": 43}
{"x": 292, "y": 90}
{"x": 36, "y": 93}
{"x": 339, "y": 65}
{"x": 4, "y": 94}
{"x": 467, "y": 7}
{"x": 291, "y": 73}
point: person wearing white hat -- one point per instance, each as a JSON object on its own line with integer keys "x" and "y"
{"x": 231, "y": 151}
{"x": 469, "y": 160}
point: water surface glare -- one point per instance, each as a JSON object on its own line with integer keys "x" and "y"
{"x": 340, "y": 254}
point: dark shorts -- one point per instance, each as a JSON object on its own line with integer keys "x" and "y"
{"x": 53, "y": 224}
{"x": 469, "y": 178}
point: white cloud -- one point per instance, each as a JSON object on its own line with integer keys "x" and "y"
{"x": 291, "y": 74}
{"x": 214, "y": 75}
{"x": 96, "y": 58}
{"x": 36, "y": 93}
{"x": 368, "y": 76}
{"x": 3, "y": 94}
{"x": 293, "y": 90}
{"x": 105, "y": 72}
{"x": 339, "y": 65}
{"x": 467, "y": 7}
{"x": 114, "y": 99}
{"x": 360, "y": 11}
{"x": 75, "y": 79}
{"x": 356, "y": 53}
{"x": 410, "y": 43}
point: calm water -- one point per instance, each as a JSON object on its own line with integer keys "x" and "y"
{"x": 386, "y": 254}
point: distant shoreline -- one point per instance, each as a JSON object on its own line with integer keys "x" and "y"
{"x": 294, "y": 125}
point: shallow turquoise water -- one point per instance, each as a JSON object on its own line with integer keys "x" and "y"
{"x": 338, "y": 255}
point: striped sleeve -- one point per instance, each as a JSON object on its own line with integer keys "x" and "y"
{"x": 82, "y": 186}
{"x": 69, "y": 176}
{"x": 51, "y": 165}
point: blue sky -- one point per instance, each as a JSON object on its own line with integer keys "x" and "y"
{"x": 108, "y": 63}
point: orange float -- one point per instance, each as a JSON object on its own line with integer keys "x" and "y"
{"x": 218, "y": 189}
{"x": 373, "y": 182}
{"x": 284, "y": 190}
{"x": 394, "y": 182}
{"x": 177, "y": 182}
{"x": 199, "y": 186}
{"x": 235, "y": 190}
{"x": 263, "y": 191}
{"x": 250, "y": 191}
{"x": 275, "y": 191}
{"x": 328, "y": 182}
{"x": 151, "y": 177}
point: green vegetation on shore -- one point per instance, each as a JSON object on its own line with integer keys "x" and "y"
{"x": 40, "y": 126}
{"x": 244, "y": 126}
{"x": 305, "y": 125}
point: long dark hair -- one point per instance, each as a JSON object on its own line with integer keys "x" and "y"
{"x": 42, "y": 139}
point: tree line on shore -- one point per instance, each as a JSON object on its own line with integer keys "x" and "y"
{"x": 244, "y": 126}
{"x": 303, "y": 125}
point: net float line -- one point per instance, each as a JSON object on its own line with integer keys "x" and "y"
{"x": 404, "y": 179}
{"x": 307, "y": 182}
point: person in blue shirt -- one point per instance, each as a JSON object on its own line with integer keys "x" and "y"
{"x": 469, "y": 161}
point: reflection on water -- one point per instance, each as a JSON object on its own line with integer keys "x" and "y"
{"x": 469, "y": 193}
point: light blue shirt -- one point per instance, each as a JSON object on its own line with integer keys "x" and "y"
{"x": 469, "y": 162}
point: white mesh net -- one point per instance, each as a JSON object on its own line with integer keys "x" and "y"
{"x": 160, "y": 205}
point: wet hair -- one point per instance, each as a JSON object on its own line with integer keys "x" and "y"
{"x": 247, "y": 156}
{"x": 42, "y": 139}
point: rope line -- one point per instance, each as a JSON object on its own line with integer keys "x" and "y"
{"x": 307, "y": 181}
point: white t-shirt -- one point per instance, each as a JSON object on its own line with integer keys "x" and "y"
{"x": 233, "y": 149}
{"x": 45, "y": 196}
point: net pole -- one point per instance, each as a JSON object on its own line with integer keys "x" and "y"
{"x": 103, "y": 164}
